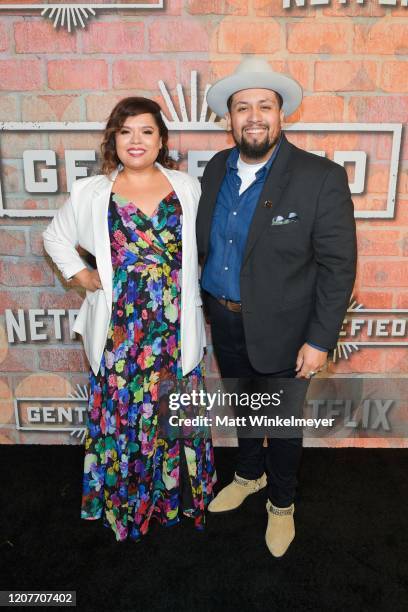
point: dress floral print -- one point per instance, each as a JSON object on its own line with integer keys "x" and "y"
{"x": 134, "y": 469}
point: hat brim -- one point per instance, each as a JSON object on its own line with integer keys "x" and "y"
{"x": 288, "y": 88}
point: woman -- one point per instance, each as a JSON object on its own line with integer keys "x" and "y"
{"x": 141, "y": 323}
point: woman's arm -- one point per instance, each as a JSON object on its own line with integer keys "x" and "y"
{"x": 60, "y": 241}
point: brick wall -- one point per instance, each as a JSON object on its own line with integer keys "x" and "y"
{"x": 351, "y": 62}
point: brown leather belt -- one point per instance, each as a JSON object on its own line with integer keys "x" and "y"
{"x": 233, "y": 306}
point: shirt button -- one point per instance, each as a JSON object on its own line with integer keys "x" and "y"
{"x": 230, "y": 241}
{"x": 235, "y": 212}
{"x": 226, "y": 268}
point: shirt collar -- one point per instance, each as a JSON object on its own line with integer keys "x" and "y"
{"x": 233, "y": 159}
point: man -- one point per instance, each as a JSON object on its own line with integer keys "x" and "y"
{"x": 276, "y": 239}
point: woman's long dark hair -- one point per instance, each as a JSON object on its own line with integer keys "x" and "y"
{"x": 130, "y": 107}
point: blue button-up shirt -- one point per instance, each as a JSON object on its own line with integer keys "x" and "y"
{"x": 229, "y": 230}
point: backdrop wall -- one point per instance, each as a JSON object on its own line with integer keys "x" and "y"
{"x": 57, "y": 89}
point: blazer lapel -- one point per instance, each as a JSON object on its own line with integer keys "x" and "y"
{"x": 99, "y": 206}
{"x": 272, "y": 191}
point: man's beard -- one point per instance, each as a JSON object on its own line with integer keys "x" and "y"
{"x": 256, "y": 150}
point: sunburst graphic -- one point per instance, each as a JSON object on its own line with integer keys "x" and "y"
{"x": 68, "y": 15}
{"x": 194, "y": 120}
{"x": 80, "y": 393}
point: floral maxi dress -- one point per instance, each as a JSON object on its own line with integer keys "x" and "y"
{"x": 132, "y": 473}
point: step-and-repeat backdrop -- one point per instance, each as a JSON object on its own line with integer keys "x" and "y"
{"x": 62, "y": 69}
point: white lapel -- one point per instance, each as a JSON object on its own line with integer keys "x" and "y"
{"x": 100, "y": 205}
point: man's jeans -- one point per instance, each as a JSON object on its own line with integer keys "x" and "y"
{"x": 282, "y": 456}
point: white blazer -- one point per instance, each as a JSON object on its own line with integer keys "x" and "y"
{"x": 82, "y": 220}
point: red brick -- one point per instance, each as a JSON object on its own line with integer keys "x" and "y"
{"x": 20, "y": 359}
{"x": 12, "y": 178}
{"x": 35, "y": 273}
{"x": 12, "y": 242}
{"x": 366, "y": 359}
{"x": 5, "y": 390}
{"x": 67, "y": 300}
{"x": 379, "y": 242}
{"x": 99, "y": 106}
{"x": 396, "y": 360}
{"x": 36, "y": 240}
{"x": 377, "y": 178}
{"x": 404, "y": 241}
{"x": 380, "y": 38}
{"x": 402, "y": 300}
{"x": 78, "y": 74}
{"x": 394, "y": 77}
{"x": 369, "y": 9}
{"x": 13, "y": 144}
{"x": 62, "y": 360}
{"x": 248, "y": 36}
{"x": 374, "y": 299}
{"x": 385, "y": 273}
{"x": 319, "y": 108}
{"x": 43, "y": 385}
{"x": 318, "y": 37}
{"x": 175, "y": 35}
{"x": 402, "y": 185}
{"x": 6, "y": 412}
{"x": 51, "y": 108}
{"x": 345, "y": 76}
{"x": 329, "y": 142}
{"x": 217, "y": 7}
{"x": 14, "y": 299}
{"x": 4, "y": 41}
{"x": 274, "y": 8}
{"x": 379, "y": 108}
{"x": 20, "y": 75}
{"x": 384, "y": 143}
{"x": 143, "y": 75}
{"x": 42, "y": 37}
{"x": 28, "y": 204}
{"x": 114, "y": 37}
{"x": 8, "y": 108}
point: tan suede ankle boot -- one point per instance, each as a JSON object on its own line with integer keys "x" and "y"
{"x": 232, "y": 496}
{"x": 280, "y": 530}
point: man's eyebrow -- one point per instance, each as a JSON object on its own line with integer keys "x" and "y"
{"x": 259, "y": 101}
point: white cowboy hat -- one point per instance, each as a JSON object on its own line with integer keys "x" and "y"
{"x": 254, "y": 73}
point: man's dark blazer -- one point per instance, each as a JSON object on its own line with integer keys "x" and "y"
{"x": 296, "y": 279}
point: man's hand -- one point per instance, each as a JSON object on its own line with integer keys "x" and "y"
{"x": 309, "y": 361}
{"x": 88, "y": 279}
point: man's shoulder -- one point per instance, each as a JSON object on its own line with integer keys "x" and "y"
{"x": 220, "y": 157}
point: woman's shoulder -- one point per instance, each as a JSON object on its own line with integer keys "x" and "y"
{"x": 183, "y": 177}
{"x": 90, "y": 182}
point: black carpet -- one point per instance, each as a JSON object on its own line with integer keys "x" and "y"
{"x": 350, "y": 550}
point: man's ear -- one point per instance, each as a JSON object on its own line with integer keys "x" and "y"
{"x": 282, "y": 116}
{"x": 228, "y": 120}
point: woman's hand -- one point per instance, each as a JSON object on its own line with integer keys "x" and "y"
{"x": 88, "y": 279}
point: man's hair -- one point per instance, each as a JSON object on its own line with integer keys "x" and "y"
{"x": 280, "y": 100}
